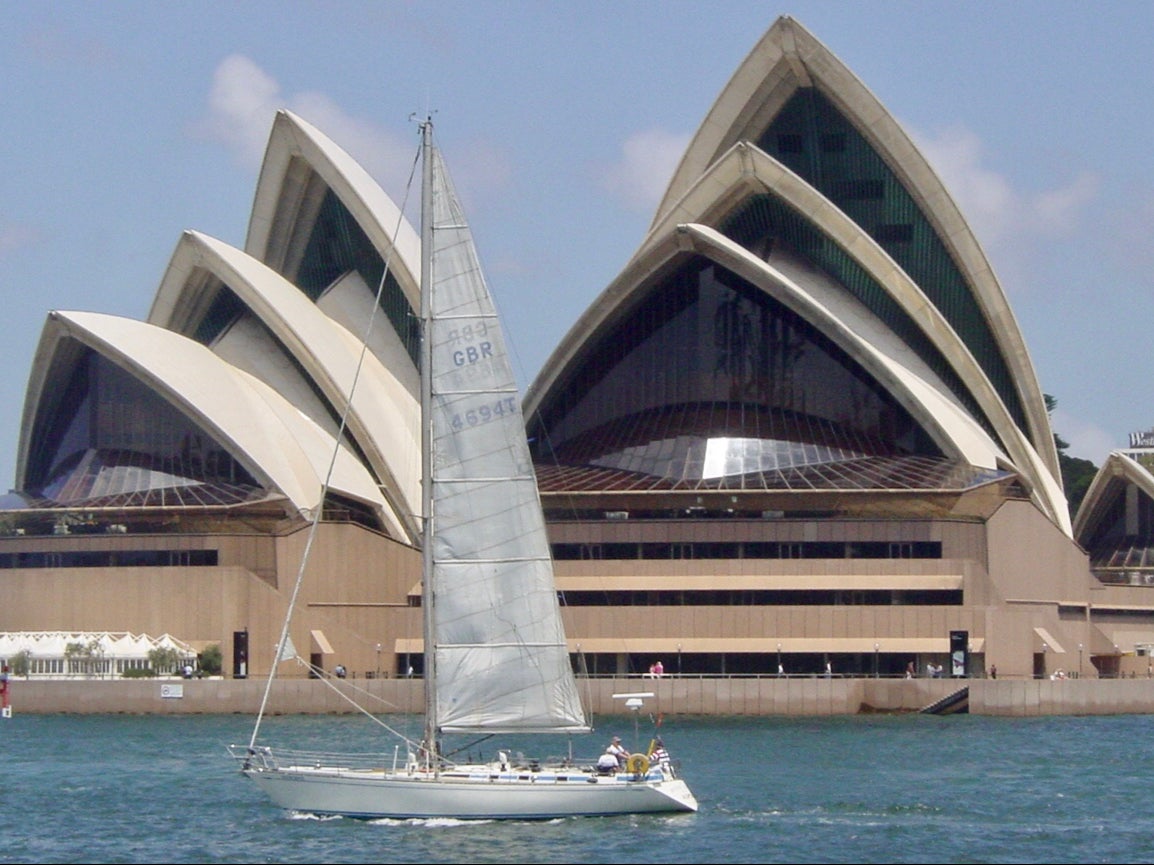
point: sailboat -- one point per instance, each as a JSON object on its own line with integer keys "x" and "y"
{"x": 496, "y": 659}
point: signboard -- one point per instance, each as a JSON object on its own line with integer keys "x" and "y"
{"x": 959, "y": 653}
{"x": 172, "y": 691}
{"x": 240, "y": 654}
{"x": 1142, "y": 439}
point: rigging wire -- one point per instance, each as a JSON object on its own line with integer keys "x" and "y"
{"x": 341, "y": 692}
{"x": 284, "y": 643}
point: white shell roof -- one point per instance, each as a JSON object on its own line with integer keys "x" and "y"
{"x": 282, "y": 448}
{"x": 788, "y": 57}
{"x": 278, "y": 402}
{"x": 383, "y": 416}
{"x": 377, "y": 215}
{"x": 1118, "y": 468}
{"x": 720, "y": 169}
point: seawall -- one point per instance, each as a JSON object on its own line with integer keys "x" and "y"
{"x": 670, "y": 695}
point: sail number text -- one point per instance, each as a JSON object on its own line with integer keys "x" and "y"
{"x": 483, "y": 414}
{"x": 473, "y": 354}
{"x": 476, "y": 347}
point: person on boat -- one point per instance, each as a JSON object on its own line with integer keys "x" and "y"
{"x": 660, "y": 757}
{"x": 618, "y": 751}
{"x": 607, "y": 764}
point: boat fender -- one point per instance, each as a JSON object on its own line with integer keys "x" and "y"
{"x": 638, "y": 764}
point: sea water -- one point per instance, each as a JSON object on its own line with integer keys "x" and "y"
{"x": 877, "y": 788}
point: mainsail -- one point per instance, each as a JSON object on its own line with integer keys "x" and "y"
{"x": 499, "y": 659}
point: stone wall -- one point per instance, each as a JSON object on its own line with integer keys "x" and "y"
{"x": 670, "y": 695}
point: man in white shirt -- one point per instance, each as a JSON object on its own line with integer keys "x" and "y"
{"x": 618, "y": 750}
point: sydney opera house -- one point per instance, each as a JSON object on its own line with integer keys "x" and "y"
{"x": 801, "y": 428}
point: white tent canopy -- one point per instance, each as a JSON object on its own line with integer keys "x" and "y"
{"x": 100, "y": 653}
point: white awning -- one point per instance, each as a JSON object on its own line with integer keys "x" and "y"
{"x": 1048, "y": 641}
{"x": 321, "y": 644}
{"x": 109, "y": 645}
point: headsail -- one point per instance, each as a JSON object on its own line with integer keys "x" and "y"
{"x": 500, "y": 657}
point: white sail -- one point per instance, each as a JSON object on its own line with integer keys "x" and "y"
{"x": 501, "y": 660}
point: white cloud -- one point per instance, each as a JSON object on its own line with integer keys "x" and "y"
{"x": 241, "y": 106}
{"x": 244, "y": 98}
{"x": 1000, "y": 215}
{"x": 648, "y": 160}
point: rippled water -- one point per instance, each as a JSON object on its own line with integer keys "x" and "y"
{"x": 907, "y": 788}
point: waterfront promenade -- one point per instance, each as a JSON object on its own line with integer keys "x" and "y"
{"x": 710, "y": 696}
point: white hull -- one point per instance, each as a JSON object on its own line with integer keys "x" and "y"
{"x": 470, "y": 792}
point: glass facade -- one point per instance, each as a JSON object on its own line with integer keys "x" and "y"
{"x": 704, "y": 550}
{"x": 338, "y": 245}
{"x": 815, "y": 140}
{"x": 111, "y": 435}
{"x": 1123, "y": 537}
{"x": 708, "y": 377}
{"x": 225, "y": 309}
{"x": 765, "y": 224}
{"x": 868, "y": 473}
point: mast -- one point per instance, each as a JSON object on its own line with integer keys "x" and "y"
{"x": 426, "y": 377}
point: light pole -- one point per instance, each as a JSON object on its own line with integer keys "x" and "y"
{"x": 780, "y": 668}
{"x": 378, "y": 660}
{"x": 877, "y": 648}
{"x": 679, "y": 659}
{"x": 1079, "y": 660}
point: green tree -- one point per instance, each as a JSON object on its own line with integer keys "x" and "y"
{"x": 163, "y": 661}
{"x": 84, "y": 658}
{"x": 1077, "y": 473}
{"x": 21, "y": 663}
{"x": 211, "y": 660}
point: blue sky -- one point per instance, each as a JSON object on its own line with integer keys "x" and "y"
{"x": 125, "y": 123}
